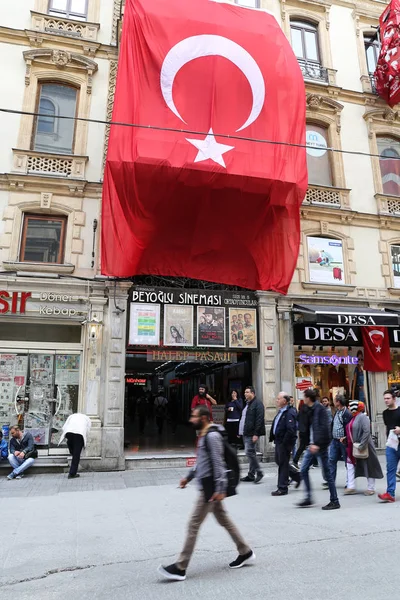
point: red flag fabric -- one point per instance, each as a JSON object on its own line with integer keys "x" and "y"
{"x": 376, "y": 349}
{"x": 387, "y": 73}
{"x": 196, "y": 203}
{"x": 390, "y": 170}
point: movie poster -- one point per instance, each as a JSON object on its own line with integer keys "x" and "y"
{"x": 325, "y": 260}
{"x": 178, "y": 325}
{"x": 144, "y": 326}
{"x": 243, "y": 328}
{"x": 211, "y": 326}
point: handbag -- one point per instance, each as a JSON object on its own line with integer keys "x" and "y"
{"x": 357, "y": 453}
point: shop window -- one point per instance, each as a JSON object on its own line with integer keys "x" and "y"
{"x": 325, "y": 260}
{"x": 43, "y": 239}
{"x": 372, "y": 51}
{"x": 318, "y": 156}
{"x": 72, "y": 9}
{"x": 389, "y": 162}
{"x": 395, "y": 253}
{"x": 52, "y": 134}
{"x": 248, "y": 3}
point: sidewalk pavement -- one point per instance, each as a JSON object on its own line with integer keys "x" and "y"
{"x": 104, "y": 535}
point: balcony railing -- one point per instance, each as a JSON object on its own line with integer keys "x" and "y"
{"x": 332, "y": 197}
{"x": 313, "y": 71}
{"x": 29, "y": 162}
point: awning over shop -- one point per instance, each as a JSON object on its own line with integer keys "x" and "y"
{"x": 340, "y": 315}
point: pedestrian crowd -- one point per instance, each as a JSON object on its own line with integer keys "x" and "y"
{"x": 323, "y": 436}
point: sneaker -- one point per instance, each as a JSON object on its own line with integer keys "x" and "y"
{"x": 259, "y": 476}
{"x": 19, "y": 477}
{"x": 247, "y": 478}
{"x": 325, "y": 485}
{"x": 296, "y": 467}
{"x": 304, "y": 503}
{"x": 172, "y": 572}
{"x": 10, "y": 476}
{"x": 242, "y": 559}
{"x": 73, "y": 476}
{"x": 332, "y": 506}
{"x": 369, "y": 492}
{"x": 349, "y": 492}
{"x": 386, "y": 497}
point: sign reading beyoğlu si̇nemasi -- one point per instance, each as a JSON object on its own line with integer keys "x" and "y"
{"x": 319, "y": 335}
{"x": 193, "y": 297}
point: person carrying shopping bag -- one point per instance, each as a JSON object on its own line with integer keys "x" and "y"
{"x": 362, "y": 459}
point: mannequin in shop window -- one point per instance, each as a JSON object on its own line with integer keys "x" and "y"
{"x": 337, "y": 381}
{"x": 357, "y": 386}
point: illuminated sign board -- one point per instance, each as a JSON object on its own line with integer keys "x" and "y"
{"x": 136, "y": 381}
{"x": 312, "y": 359}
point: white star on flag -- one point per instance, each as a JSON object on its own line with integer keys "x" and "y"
{"x": 210, "y": 149}
{"x": 378, "y": 348}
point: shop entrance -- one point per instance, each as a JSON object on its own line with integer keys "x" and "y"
{"x": 149, "y": 428}
{"x": 38, "y": 391}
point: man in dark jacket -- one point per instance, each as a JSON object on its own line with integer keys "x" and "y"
{"x": 337, "y": 449}
{"x": 21, "y": 446}
{"x": 210, "y": 465}
{"x": 252, "y": 427}
{"x": 303, "y": 419}
{"x": 283, "y": 433}
{"x": 320, "y": 438}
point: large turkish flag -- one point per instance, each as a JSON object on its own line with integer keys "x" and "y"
{"x": 198, "y": 203}
{"x": 387, "y": 73}
{"x": 376, "y": 349}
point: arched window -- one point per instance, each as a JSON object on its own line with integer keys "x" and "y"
{"x": 53, "y": 134}
{"x": 325, "y": 260}
{"x": 305, "y": 41}
{"x": 318, "y": 157}
{"x": 389, "y": 162}
{"x": 372, "y": 51}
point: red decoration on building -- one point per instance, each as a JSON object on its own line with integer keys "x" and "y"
{"x": 387, "y": 74}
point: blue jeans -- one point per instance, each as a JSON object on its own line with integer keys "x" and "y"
{"x": 305, "y": 467}
{"x": 19, "y": 464}
{"x": 250, "y": 450}
{"x": 392, "y": 460}
{"x": 337, "y": 451}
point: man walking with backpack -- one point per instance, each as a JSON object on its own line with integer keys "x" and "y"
{"x": 212, "y": 479}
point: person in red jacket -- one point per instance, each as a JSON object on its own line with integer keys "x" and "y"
{"x": 203, "y": 399}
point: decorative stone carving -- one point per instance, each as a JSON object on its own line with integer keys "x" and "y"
{"x": 115, "y": 20}
{"x": 314, "y": 101}
{"x": 61, "y": 58}
{"x": 110, "y": 103}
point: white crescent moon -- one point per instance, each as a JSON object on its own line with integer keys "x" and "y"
{"x": 375, "y": 332}
{"x": 198, "y": 46}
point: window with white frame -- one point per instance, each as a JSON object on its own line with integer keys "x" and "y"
{"x": 389, "y": 162}
{"x": 318, "y": 156}
{"x": 372, "y": 51}
{"x": 395, "y": 255}
{"x": 52, "y": 133}
{"x": 72, "y": 9}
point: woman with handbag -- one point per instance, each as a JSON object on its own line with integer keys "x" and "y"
{"x": 362, "y": 459}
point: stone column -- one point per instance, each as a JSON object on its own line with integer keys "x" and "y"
{"x": 266, "y": 367}
{"x": 114, "y": 379}
{"x": 377, "y": 386}
{"x": 286, "y": 346}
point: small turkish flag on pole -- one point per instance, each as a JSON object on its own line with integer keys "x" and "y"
{"x": 188, "y": 190}
{"x": 376, "y": 349}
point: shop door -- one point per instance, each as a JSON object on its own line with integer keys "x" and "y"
{"x": 45, "y": 388}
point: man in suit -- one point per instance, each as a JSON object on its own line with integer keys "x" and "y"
{"x": 252, "y": 427}
{"x": 283, "y": 433}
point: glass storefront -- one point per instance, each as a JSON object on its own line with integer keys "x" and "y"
{"x": 332, "y": 371}
{"x": 38, "y": 391}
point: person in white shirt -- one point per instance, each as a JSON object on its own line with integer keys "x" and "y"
{"x": 76, "y": 430}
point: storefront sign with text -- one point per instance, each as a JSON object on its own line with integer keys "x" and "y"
{"x": 336, "y": 336}
{"x": 190, "y": 356}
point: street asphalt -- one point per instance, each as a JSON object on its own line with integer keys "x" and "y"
{"x": 103, "y": 536}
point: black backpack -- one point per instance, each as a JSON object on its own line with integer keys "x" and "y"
{"x": 231, "y": 461}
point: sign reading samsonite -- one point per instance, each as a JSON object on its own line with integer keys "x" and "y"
{"x": 320, "y": 335}
{"x": 193, "y": 297}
